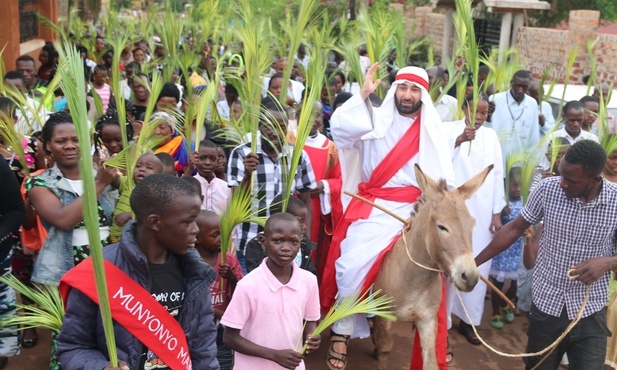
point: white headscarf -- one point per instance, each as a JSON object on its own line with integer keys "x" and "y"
{"x": 434, "y": 156}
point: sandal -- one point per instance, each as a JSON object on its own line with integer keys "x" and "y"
{"x": 466, "y": 330}
{"x": 31, "y": 341}
{"x": 334, "y": 355}
{"x": 508, "y": 315}
{"x": 449, "y": 354}
{"x": 496, "y": 322}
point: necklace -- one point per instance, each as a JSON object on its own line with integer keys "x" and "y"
{"x": 510, "y": 111}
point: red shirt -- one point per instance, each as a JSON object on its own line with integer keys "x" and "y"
{"x": 221, "y": 297}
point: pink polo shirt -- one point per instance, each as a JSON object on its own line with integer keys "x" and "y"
{"x": 216, "y": 194}
{"x": 271, "y": 314}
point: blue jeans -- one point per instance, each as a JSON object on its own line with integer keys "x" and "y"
{"x": 585, "y": 344}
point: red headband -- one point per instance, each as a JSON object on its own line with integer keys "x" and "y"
{"x": 412, "y": 78}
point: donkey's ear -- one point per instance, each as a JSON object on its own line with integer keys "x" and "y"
{"x": 467, "y": 189}
{"x": 428, "y": 186}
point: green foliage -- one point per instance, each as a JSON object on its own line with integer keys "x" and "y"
{"x": 560, "y": 11}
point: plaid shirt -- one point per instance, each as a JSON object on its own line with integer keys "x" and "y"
{"x": 269, "y": 182}
{"x": 573, "y": 233}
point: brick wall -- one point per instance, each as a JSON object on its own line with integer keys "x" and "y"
{"x": 544, "y": 48}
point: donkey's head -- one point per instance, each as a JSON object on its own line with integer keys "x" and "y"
{"x": 445, "y": 225}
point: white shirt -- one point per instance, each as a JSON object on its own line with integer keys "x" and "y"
{"x": 549, "y": 121}
{"x": 447, "y": 108}
{"x": 584, "y": 135}
{"x": 223, "y": 108}
{"x": 516, "y": 124}
{"x": 33, "y": 110}
{"x": 295, "y": 89}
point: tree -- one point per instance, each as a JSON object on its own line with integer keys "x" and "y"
{"x": 560, "y": 9}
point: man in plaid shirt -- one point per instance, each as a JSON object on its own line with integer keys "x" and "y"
{"x": 579, "y": 211}
{"x": 270, "y": 161}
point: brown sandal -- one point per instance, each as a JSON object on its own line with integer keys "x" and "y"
{"x": 334, "y": 355}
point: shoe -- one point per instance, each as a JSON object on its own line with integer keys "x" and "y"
{"x": 31, "y": 341}
{"x": 467, "y": 331}
{"x": 508, "y": 315}
{"x": 496, "y": 322}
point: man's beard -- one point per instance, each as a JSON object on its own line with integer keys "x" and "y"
{"x": 402, "y": 110}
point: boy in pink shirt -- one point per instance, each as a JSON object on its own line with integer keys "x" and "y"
{"x": 264, "y": 320}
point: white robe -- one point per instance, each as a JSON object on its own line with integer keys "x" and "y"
{"x": 488, "y": 200}
{"x": 364, "y": 137}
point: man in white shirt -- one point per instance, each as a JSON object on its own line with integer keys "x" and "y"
{"x": 447, "y": 106}
{"x": 573, "y": 116}
{"x": 32, "y": 115}
{"x": 546, "y": 119}
{"x": 516, "y": 117}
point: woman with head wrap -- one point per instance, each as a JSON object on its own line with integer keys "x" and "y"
{"x": 172, "y": 142}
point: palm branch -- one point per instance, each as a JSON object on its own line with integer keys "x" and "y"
{"x": 294, "y": 32}
{"x": 73, "y": 85}
{"x": 46, "y": 312}
{"x": 566, "y": 79}
{"x": 375, "y": 304}
{"x": 315, "y": 80}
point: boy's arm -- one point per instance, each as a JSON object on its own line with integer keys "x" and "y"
{"x": 202, "y": 345}
{"x": 77, "y": 341}
{"x": 287, "y": 358}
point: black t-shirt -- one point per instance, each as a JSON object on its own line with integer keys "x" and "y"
{"x": 139, "y": 111}
{"x": 168, "y": 289}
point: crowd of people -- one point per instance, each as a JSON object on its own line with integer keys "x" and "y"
{"x": 161, "y": 226}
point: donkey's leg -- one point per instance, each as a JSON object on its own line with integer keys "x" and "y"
{"x": 427, "y": 328}
{"x": 382, "y": 339}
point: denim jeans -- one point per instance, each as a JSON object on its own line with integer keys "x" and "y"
{"x": 585, "y": 344}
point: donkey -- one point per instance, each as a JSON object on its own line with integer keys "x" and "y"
{"x": 440, "y": 238}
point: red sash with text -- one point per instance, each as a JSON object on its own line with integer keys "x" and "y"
{"x": 135, "y": 309}
{"x": 404, "y": 150}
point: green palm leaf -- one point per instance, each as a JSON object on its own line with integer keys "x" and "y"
{"x": 73, "y": 84}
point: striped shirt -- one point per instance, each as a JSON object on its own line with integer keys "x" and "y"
{"x": 573, "y": 233}
{"x": 270, "y": 181}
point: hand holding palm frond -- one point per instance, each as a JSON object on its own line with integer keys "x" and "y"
{"x": 375, "y": 304}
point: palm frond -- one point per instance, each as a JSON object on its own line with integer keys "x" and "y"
{"x": 375, "y": 304}
{"x": 73, "y": 85}
{"x": 294, "y": 33}
{"x": 566, "y": 79}
{"x": 46, "y": 312}
{"x": 315, "y": 80}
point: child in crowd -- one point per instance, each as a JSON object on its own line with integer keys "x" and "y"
{"x": 109, "y": 135}
{"x": 168, "y": 163}
{"x": 100, "y": 84}
{"x": 274, "y": 308}
{"x": 146, "y": 165}
{"x": 157, "y": 271}
{"x": 215, "y": 191}
{"x": 221, "y": 167}
{"x": 209, "y": 247}
{"x": 256, "y": 251}
{"x": 505, "y": 265}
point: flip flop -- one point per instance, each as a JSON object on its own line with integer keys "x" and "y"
{"x": 334, "y": 355}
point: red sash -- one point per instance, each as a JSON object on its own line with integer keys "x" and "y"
{"x": 406, "y": 148}
{"x": 135, "y": 309}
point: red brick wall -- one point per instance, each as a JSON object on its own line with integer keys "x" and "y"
{"x": 543, "y": 47}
